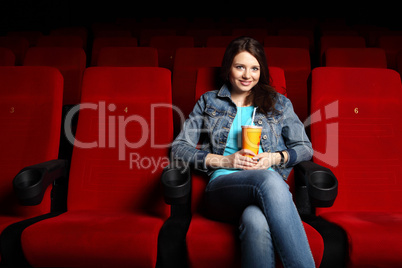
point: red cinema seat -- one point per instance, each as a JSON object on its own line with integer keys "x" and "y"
{"x": 187, "y": 61}
{"x": 60, "y": 41}
{"x": 356, "y": 57}
{"x": 296, "y": 31}
{"x": 115, "y": 208}
{"x": 345, "y": 41}
{"x": 74, "y": 31}
{"x": 215, "y": 244}
{"x": 31, "y": 36}
{"x": 128, "y": 57}
{"x": 201, "y": 35}
{"x": 208, "y": 79}
{"x": 392, "y": 44}
{"x": 167, "y": 45}
{"x": 145, "y": 34}
{"x": 296, "y": 64}
{"x": 290, "y": 41}
{"x": 101, "y": 42}
{"x": 219, "y": 240}
{"x": 19, "y": 45}
{"x": 7, "y": 57}
{"x": 71, "y": 62}
{"x": 355, "y": 131}
{"x": 30, "y": 120}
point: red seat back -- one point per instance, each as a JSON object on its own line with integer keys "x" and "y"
{"x": 167, "y": 45}
{"x": 392, "y": 44}
{"x": 101, "y": 42}
{"x": 291, "y": 41}
{"x": 296, "y": 64}
{"x": 31, "y": 101}
{"x": 356, "y": 57}
{"x": 74, "y": 31}
{"x": 19, "y": 45}
{"x": 60, "y": 41}
{"x": 128, "y": 56}
{"x": 187, "y": 61}
{"x": 7, "y": 57}
{"x": 123, "y": 134}
{"x": 348, "y": 41}
{"x": 71, "y": 62}
{"x": 355, "y": 131}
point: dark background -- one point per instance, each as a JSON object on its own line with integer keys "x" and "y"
{"x": 49, "y": 14}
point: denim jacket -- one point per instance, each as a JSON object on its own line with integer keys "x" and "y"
{"x": 207, "y": 129}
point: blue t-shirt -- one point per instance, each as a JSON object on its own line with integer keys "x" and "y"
{"x": 233, "y": 144}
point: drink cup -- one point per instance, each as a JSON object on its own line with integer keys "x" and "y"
{"x": 251, "y": 136}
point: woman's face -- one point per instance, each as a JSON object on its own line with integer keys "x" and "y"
{"x": 244, "y": 72}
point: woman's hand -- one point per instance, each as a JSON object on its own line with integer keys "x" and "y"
{"x": 266, "y": 160}
{"x": 238, "y": 160}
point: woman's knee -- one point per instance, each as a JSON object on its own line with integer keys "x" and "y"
{"x": 253, "y": 223}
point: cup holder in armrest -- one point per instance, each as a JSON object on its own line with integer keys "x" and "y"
{"x": 177, "y": 185}
{"x": 28, "y": 186}
{"x": 322, "y": 188}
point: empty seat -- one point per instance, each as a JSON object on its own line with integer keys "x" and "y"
{"x": 201, "y": 35}
{"x": 71, "y": 61}
{"x": 128, "y": 56}
{"x": 187, "y": 61}
{"x": 74, "y": 31}
{"x": 291, "y": 41}
{"x": 355, "y": 57}
{"x": 296, "y": 64}
{"x": 295, "y": 31}
{"x": 101, "y": 42}
{"x": 31, "y": 36}
{"x": 344, "y": 41}
{"x": 145, "y": 34}
{"x": 115, "y": 209}
{"x": 392, "y": 44}
{"x": 355, "y": 132}
{"x": 30, "y": 120}
{"x": 7, "y": 57}
{"x": 60, "y": 41}
{"x": 19, "y": 45}
{"x": 167, "y": 45}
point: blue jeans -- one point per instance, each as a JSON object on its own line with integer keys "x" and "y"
{"x": 269, "y": 219}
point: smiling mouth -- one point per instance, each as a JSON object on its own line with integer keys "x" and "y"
{"x": 245, "y": 83}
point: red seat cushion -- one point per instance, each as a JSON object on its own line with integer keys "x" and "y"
{"x": 216, "y": 244}
{"x": 375, "y": 238}
{"x": 90, "y": 239}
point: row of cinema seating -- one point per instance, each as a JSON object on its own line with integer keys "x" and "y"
{"x": 178, "y": 54}
{"x": 113, "y": 213}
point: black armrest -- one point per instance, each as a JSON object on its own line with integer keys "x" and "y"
{"x": 31, "y": 182}
{"x": 176, "y": 181}
{"x": 321, "y": 183}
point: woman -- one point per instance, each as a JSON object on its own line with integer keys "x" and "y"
{"x": 250, "y": 189}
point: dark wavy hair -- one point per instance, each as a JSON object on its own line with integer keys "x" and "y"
{"x": 262, "y": 95}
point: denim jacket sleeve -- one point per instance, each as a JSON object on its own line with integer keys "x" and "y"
{"x": 184, "y": 147}
{"x": 294, "y": 135}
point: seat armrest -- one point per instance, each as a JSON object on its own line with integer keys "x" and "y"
{"x": 321, "y": 183}
{"x": 176, "y": 181}
{"x": 31, "y": 182}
